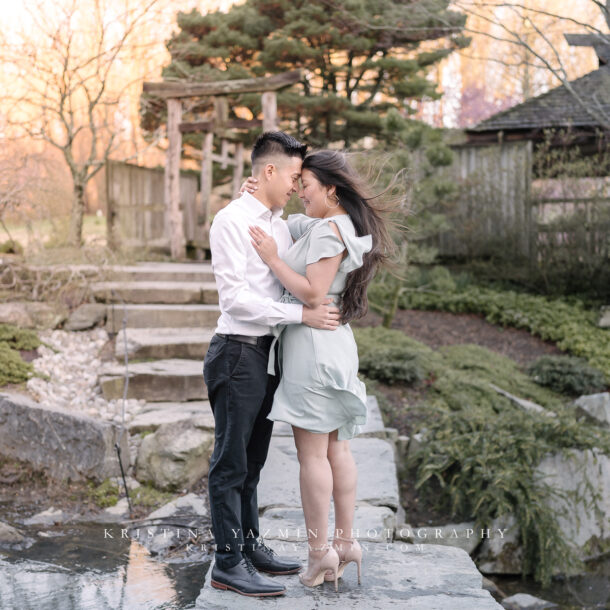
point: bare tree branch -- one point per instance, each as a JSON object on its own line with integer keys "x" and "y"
{"x": 62, "y": 95}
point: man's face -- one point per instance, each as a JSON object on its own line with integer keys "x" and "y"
{"x": 284, "y": 180}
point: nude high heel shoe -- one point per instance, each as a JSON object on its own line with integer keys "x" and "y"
{"x": 316, "y": 568}
{"x": 353, "y": 553}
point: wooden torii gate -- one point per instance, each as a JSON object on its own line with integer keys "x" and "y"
{"x": 220, "y": 124}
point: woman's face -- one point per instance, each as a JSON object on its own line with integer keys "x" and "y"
{"x": 315, "y": 195}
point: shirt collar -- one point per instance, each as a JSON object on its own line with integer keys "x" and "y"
{"x": 257, "y": 208}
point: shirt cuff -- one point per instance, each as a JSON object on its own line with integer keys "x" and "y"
{"x": 294, "y": 313}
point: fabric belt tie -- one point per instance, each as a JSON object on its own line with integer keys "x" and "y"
{"x": 279, "y": 329}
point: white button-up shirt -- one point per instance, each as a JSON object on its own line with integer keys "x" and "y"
{"x": 248, "y": 291}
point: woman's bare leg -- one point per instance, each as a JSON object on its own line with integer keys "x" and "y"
{"x": 316, "y": 482}
{"x": 345, "y": 477}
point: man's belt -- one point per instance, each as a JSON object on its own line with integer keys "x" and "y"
{"x": 264, "y": 341}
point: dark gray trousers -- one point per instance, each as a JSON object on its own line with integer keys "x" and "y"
{"x": 241, "y": 394}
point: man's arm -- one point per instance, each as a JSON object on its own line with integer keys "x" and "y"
{"x": 229, "y": 262}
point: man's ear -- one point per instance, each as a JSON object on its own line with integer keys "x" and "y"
{"x": 269, "y": 170}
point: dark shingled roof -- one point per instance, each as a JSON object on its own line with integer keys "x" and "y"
{"x": 555, "y": 108}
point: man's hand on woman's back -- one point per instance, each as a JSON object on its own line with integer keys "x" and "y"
{"x": 323, "y": 317}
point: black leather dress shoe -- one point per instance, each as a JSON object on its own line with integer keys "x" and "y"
{"x": 245, "y": 580}
{"x": 265, "y": 560}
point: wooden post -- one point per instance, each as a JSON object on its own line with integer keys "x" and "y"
{"x": 206, "y": 178}
{"x": 224, "y": 154}
{"x": 269, "y": 103}
{"x": 172, "y": 179}
{"x": 238, "y": 169}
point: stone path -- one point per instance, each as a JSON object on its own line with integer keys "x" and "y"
{"x": 171, "y": 314}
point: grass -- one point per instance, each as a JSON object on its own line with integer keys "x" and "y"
{"x": 44, "y": 242}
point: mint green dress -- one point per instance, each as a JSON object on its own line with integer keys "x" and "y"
{"x": 319, "y": 388}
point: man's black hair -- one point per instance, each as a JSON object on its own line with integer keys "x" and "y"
{"x": 277, "y": 142}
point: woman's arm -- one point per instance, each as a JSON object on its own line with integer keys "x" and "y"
{"x": 310, "y": 289}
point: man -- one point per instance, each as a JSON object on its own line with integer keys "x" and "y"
{"x": 235, "y": 367}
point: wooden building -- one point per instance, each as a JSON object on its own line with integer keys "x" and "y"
{"x": 503, "y": 205}
{"x": 578, "y": 107}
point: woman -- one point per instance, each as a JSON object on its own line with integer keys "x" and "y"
{"x": 339, "y": 243}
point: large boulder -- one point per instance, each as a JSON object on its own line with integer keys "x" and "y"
{"x": 176, "y": 455}
{"x": 582, "y": 480}
{"x": 31, "y": 314}
{"x": 162, "y": 529}
{"x": 587, "y": 519}
{"x": 10, "y": 535}
{"x": 86, "y": 316}
{"x": 595, "y": 407}
{"x": 63, "y": 444}
{"x": 501, "y": 554}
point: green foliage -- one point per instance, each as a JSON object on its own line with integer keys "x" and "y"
{"x": 146, "y": 495}
{"x": 454, "y": 375}
{"x": 12, "y": 367}
{"x": 104, "y": 494}
{"x": 18, "y": 338}
{"x": 568, "y": 324}
{"x": 392, "y": 365}
{"x": 11, "y": 247}
{"x": 372, "y": 342}
{"x": 354, "y": 75}
{"x": 480, "y": 461}
{"x": 567, "y": 375}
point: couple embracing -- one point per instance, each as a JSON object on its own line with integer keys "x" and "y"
{"x": 284, "y": 351}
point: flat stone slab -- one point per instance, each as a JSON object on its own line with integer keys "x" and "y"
{"x": 158, "y": 413}
{"x": 152, "y": 270}
{"x": 57, "y": 441}
{"x": 162, "y": 316}
{"x": 377, "y": 482}
{"x": 162, "y": 380}
{"x": 373, "y": 427}
{"x": 426, "y": 577}
{"x": 162, "y": 343}
{"x": 371, "y": 524}
{"x": 156, "y": 292}
{"x": 172, "y": 272}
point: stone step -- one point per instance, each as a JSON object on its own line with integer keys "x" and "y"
{"x": 377, "y": 482}
{"x": 164, "y": 342}
{"x": 409, "y": 576}
{"x": 158, "y": 381}
{"x": 171, "y": 293}
{"x": 155, "y": 414}
{"x": 171, "y": 272}
{"x": 162, "y": 316}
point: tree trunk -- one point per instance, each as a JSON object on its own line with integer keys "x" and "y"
{"x": 75, "y": 237}
{"x": 390, "y": 312}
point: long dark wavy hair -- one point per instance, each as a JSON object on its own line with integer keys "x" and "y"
{"x": 332, "y": 168}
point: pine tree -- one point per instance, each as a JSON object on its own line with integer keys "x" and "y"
{"x": 361, "y": 58}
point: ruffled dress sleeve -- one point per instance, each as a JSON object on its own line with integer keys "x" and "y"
{"x": 299, "y": 223}
{"x": 324, "y": 243}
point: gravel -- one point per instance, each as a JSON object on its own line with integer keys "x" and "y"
{"x": 72, "y": 362}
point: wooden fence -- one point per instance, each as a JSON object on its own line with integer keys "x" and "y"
{"x": 493, "y": 202}
{"x": 137, "y": 215}
{"x": 501, "y": 210}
